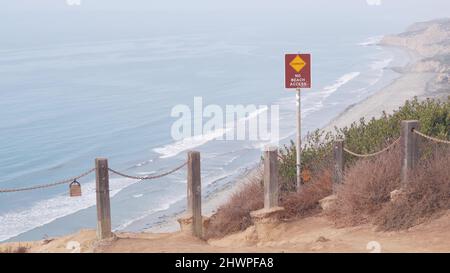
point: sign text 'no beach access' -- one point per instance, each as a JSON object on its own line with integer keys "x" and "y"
{"x": 297, "y": 71}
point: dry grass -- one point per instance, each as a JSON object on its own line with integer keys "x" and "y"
{"x": 234, "y": 215}
{"x": 306, "y": 202}
{"x": 427, "y": 193}
{"x": 364, "y": 196}
{"x": 19, "y": 249}
{"x": 366, "y": 187}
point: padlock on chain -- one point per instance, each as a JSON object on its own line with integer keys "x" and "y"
{"x": 75, "y": 189}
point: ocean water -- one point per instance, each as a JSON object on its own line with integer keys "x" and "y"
{"x": 64, "y": 104}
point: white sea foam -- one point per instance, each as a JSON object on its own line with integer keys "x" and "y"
{"x": 374, "y": 40}
{"x": 174, "y": 199}
{"x": 144, "y": 163}
{"x": 316, "y": 100}
{"x": 43, "y": 212}
{"x": 146, "y": 173}
{"x": 162, "y": 207}
{"x": 231, "y": 160}
{"x": 380, "y": 64}
{"x": 188, "y": 143}
{"x": 328, "y": 90}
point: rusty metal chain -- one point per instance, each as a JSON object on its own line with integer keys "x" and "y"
{"x": 66, "y": 181}
{"x": 148, "y": 177}
{"x": 431, "y": 138}
{"x": 372, "y": 154}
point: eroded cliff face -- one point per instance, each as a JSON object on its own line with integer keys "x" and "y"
{"x": 431, "y": 40}
{"x": 428, "y": 39}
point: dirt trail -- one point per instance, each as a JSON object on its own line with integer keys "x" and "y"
{"x": 313, "y": 234}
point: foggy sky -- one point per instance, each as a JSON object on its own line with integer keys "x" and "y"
{"x": 26, "y": 22}
{"x": 439, "y": 7}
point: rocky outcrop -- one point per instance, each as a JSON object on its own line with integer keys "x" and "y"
{"x": 427, "y": 66}
{"x": 431, "y": 40}
{"x": 328, "y": 202}
{"x": 428, "y": 39}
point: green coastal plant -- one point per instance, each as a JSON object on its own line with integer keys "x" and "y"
{"x": 364, "y": 137}
{"x": 315, "y": 155}
{"x": 364, "y": 197}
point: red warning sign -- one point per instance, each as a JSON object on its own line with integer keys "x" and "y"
{"x": 297, "y": 71}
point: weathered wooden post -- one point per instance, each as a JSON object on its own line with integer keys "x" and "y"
{"x": 271, "y": 211}
{"x": 103, "y": 202}
{"x": 338, "y": 155}
{"x": 270, "y": 177}
{"x": 194, "y": 195}
{"x": 410, "y": 148}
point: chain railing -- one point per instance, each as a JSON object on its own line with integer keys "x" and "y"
{"x": 431, "y": 138}
{"x": 43, "y": 186}
{"x": 150, "y": 177}
{"x": 410, "y": 157}
{"x": 104, "y": 230}
{"x": 70, "y": 180}
{"x": 410, "y": 154}
{"x": 375, "y": 153}
{"x": 147, "y": 177}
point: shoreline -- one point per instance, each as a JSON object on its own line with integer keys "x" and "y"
{"x": 210, "y": 203}
{"x": 408, "y": 85}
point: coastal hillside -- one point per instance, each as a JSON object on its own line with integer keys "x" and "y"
{"x": 431, "y": 40}
{"x": 427, "y": 38}
{"x": 426, "y": 75}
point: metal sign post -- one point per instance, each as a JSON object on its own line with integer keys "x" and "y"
{"x": 298, "y": 75}
{"x": 299, "y": 138}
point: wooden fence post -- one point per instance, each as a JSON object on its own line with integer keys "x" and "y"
{"x": 103, "y": 202}
{"x": 410, "y": 149}
{"x": 194, "y": 195}
{"x": 338, "y": 155}
{"x": 270, "y": 177}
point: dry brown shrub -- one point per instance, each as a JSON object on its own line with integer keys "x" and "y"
{"x": 234, "y": 215}
{"x": 19, "y": 249}
{"x": 366, "y": 187}
{"x": 427, "y": 193}
{"x": 306, "y": 202}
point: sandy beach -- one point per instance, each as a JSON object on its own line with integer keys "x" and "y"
{"x": 408, "y": 86}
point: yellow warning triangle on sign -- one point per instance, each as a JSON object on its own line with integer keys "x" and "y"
{"x": 297, "y": 63}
